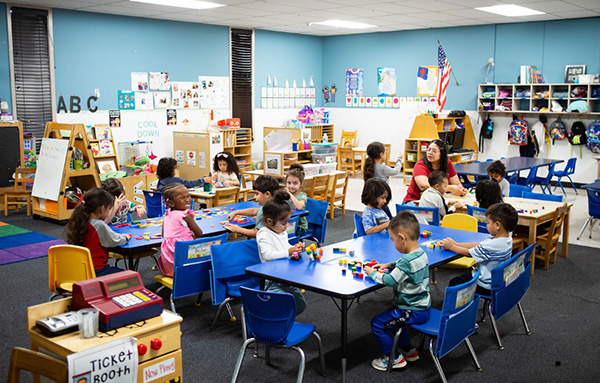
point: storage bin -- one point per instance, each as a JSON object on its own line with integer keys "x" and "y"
{"x": 325, "y": 148}
{"x": 328, "y": 168}
{"x": 323, "y": 158}
{"x": 311, "y": 169}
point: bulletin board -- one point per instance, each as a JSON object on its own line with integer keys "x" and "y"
{"x": 191, "y": 150}
{"x": 11, "y": 151}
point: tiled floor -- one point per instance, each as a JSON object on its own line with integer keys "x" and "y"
{"x": 579, "y": 211}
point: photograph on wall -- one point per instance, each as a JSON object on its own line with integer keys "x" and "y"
{"x": 171, "y": 117}
{"x": 354, "y": 81}
{"x": 114, "y": 120}
{"x": 272, "y": 163}
{"x": 159, "y": 81}
{"x": 126, "y": 99}
{"x": 386, "y": 82}
{"x": 427, "y": 80}
{"x": 144, "y": 100}
{"x": 214, "y": 92}
{"x": 185, "y": 95}
{"x": 139, "y": 81}
{"x": 106, "y": 166}
{"x": 162, "y": 100}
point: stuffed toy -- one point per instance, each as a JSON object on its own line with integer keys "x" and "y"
{"x": 141, "y": 165}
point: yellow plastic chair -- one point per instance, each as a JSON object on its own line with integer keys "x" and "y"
{"x": 68, "y": 264}
{"x": 461, "y": 222}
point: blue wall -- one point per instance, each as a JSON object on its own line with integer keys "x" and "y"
{"x": 93, "y": 50}
{"x": 287, "y": 56}
{"x": 4, "y": 60}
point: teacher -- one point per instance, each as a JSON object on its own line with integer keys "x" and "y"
{"x": 436, "y": 158}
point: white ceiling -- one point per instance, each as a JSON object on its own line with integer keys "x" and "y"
{"x": 294, "y": 15}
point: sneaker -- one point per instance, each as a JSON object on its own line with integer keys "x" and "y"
{"x": 411, "y": 355}
{"x": 381, "y": 363}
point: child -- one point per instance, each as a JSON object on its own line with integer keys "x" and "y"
{"x": 179, "y": 224}
{"x": 376, "y": 194}
{"x": 226, "y": 171}
{"x": 87, "y": 228}
{"x": 166, "y": 172}
{"x": 487, "y": 193}
{"x": 294, "y": 180}
{"x": 375, "y": 167}
{"x": 273, "y": 242}
{"x": 264, "y": 189}
{"x": 497, "y": 171}
{"x": 409, "y": 276}
{"x": 122, "y": 206}
{"x": 501, "y": 222}
{"x": 433, "y": 196}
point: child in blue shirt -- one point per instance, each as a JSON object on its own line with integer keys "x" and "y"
{"x": 409, "y": 276}
{"x": 376, "y": 194}
{"x": 502, "y": 221}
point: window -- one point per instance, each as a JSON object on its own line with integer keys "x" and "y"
{"x": 241, "y": 75}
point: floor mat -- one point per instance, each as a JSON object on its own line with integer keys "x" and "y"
{"x": 18, "y": 244}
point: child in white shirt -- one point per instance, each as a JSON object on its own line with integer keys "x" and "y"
{"x": 434, "y": 195}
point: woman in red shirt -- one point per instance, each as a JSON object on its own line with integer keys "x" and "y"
{"x": 436, "y": 158}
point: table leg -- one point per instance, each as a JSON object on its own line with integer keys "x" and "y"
{"x": 131, "y": 260}
{"x": 565, "y": 239}
{"x": 532, "y": 237}
{"x": 344, "y": 336}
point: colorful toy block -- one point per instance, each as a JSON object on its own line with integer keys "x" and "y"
{"x": 425, "y": 234}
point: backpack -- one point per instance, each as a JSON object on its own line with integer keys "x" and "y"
{"x": 558, "y": 130}
{"x": 577, "y": 134}
{"x": 517, "y": 133}
{"x": 593, "y": 136}
{"x": 487, "y": 131}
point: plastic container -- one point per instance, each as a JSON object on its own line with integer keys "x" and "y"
{"x": 325, "y": 148}
{"x": 323, "y": 158}
{"x": 586, "y": 78}
{"x": 328, "y": 168}
{"x": 311, "y": 169}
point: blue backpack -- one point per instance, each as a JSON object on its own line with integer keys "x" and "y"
{"x": 558, "y": 131}
{"x": 517, "y": 133}
{"x": 593, "y": 136}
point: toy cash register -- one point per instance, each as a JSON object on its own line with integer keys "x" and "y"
{"x": 121, "y": 299}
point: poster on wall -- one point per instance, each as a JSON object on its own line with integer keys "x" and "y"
{"x": 386, "y": 82}
{"x": 139, "y": 81}
{"x": 160, "y": 81}
{"x": 214, "y": 92}
{"x": 171, "y": 117}
{"x": 427, "y": 81}
{"x": 114, "y": 119}
{"x": 191, "y": 158}
{"x": 179, "y": 156}
{"x": 185, "y": 95}
{"x": 126, "y": 99}
{"x": 162, "y": 100}
{"x": 144, "y": 100}
{"x": 354, "y": 81}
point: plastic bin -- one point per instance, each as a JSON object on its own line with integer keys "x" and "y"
{"x": 311, "y": 169}
{"x": 323, "y": 158}
{"x": 328, "y": 168}
{"x": 325, "y": 148}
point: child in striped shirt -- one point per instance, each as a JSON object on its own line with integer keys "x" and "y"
{"x": 410, "y": 277}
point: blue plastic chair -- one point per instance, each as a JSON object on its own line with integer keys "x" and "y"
{"x": 291, "y": 230}
{"x": 513, "y": 178}
{"x": 593, "y": 210}
{"x": 529, "y": 181}
{"x": 155, "y": 206}
{"x": 269, "y": 319}
{"x": 544, "y": 182}
{"x": 566, "y": 172}
{"x": 317, "y": 220}
{"x": 510, "y": 283}
{"x": 453, "y": 324}
{"x": 359, "y": 229}
{"x": 518, "y": 190}
{"x": 542, "y": 196}
{"x": 431, "y": 215}
{"x": 464, "y": 179}
{"x": 191, "y": 269}
{"x": 228, "y": 274}
{"x": 479, "y": 214}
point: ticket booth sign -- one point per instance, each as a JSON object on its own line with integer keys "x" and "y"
{"x": 115, "y": 362}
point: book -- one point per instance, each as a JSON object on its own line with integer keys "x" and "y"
{"x": 89, "y": 130}
{"x": 103, "y": 132}
{"x": 95, "y": 148}
{"x": 106, "y": 148}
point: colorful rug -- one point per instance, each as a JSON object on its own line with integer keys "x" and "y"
{"x": 18, "y": 244}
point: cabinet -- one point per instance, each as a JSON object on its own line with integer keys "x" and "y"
{"x": 103, "y": 148}
{"x": 536, "y": 98}
{"x": 426, "y": 129}
{"x": 239, "y": 143}
{"x": 313, "y": 132}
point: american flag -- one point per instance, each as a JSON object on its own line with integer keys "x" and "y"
{"x": 444, "y": 76}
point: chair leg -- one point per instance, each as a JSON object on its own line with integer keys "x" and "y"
{"x": 238, "y": 364}
{"x": 172, "y": 304}
{"x": 593, "y": 221}
{"x": 523, "y": 319}
{"x": 473, "y": 355}
{"x": 433, "y": 280}
{"x": 244, "y": 330}
{"x": 267, "y": 354}
{"x": 485, "y": 310}
{"x": 438, "y": 366}
{"x": 558, "y": 183}
{"x": 302, "y": 363}
{"x": 198, "y": 302}
{"x": 225, "y": 303}
{"x": 572, "y": 184}
{"x": 321, "y": 352}
{"x": 496, "y": 331}
{"x": 392, "y": 356}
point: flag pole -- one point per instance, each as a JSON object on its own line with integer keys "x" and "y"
{"x": 453, "y": 75}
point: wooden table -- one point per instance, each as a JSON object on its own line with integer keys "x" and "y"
{"x": 597, "y": 158}
{"x": 281, "y": 177}
{"x": 164, "y": 327}
{"x": 362, "y": 152}
{"x": 208, "y": 197}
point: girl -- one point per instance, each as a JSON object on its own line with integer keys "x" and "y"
{"x": 178, "y": 224}
{"x": 375, "y": 167}
{"x": 273, "y": 242}
{"x": 167, "y": 173}
{"x": 487, "y": 193}
{"x": 293, "y": 184}
{"x": 122, "y": 206}
{"x": 376, "y": 194}
{"x": 87, "y": 228}
{"x": 226, "y": 171}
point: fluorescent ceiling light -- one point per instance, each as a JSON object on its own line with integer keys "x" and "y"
{"x": 343, "y": 24}
{"x": 510, "y": 10}
{"x": 192, "y": 4}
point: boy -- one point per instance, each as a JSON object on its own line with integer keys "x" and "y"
{"x": 502, "y": 220}
{"x": 264, "y": 189}
{"x": 434, "y": 195}
{"x": 497, "y": 171}
{"x": 409, "y": 275}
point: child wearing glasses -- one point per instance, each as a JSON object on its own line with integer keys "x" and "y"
{"x": 226, "y": 171}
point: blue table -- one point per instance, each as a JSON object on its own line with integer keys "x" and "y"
{"x": 592, "y": 186}
{"x": 513, "y": 164}
{"x": 325, "y": 276}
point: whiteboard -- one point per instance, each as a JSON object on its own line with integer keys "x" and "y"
{"x": 50, "y": 166}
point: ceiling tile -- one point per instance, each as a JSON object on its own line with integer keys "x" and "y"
{"x": 469, "y": 13}
{"x": 580, "y": 14}
{"x": 431, "y": 5}
{"x": 408, "y": 19}
{"x": 553, "y": 6}
{"x": 437, "y": 16}
{"x": 271, "y": 7}
{"x": 392, "y": 8}
{"x": 477, "y": 3}
{"x": 587, "y": 4}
